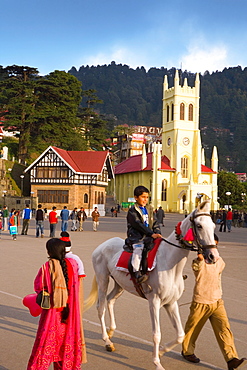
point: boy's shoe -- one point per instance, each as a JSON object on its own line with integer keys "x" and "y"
{"x": 191, "y": 358}
{"x": 235, "y": 363}
{"x": 140, "y": 278}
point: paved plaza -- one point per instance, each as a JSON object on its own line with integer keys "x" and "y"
{"x": 21, "y": 259}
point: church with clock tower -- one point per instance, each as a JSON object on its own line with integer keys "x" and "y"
{"x": 174, "y": 171}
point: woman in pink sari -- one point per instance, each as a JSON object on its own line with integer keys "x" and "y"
{"x": 59, "y": 336}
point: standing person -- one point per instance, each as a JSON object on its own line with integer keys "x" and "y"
{"x": 142, "y": 228}
{"x": 223, "y": 222}
{"x": 160, "y": 216}
{"x": 229, "y": 220}
{"x": 66, "y": 239}
{"x": 64, "y": 214}
{"x": 53, "y": 221}
{"x": 59, "y": 335}
{"x": 112, "y": 211}
{"x": 208, "y": 304}
{"x": 5, "y": 218}
{"x": 73, "y": 217}
{"x": 39, "y": 221}
{"x": 95, "y": 218}
{"x": 81, "y": 215}
{"x": 13, "y": 225}
{"x": 235, "y": 218}
{"x": 26, "y": 217}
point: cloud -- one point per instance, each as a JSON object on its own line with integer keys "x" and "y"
{"x": 210, "y": 58}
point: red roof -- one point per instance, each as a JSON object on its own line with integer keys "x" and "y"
{"x": 206, "y": 169}
{"x": 134, "y": 164}
{"x": 83, "y": 161}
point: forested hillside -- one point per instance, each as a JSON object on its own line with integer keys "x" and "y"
{"x": 135, "y": 97}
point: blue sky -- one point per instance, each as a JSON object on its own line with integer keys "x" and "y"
{"x": 196, "y": 35}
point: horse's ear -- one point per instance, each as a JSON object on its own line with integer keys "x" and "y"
{"x": 204, "y": 206}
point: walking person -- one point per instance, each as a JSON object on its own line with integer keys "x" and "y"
{"x": 208, "y": 304}
{"x": 95, "y": 218}
{"x": 39, "y": 221}
{"x": 223, "y": 222}
{"x": 53, "y": 221}
{"x": 73, "y": 217}
{"x": 81, "y": 215}
{"x": 13, "y": 225}
{"x": 64, "y": 214}
{"x": 26, "y": 217}
{"x": 160, "y": 215}
{"x": 5, "y": 218}
{"x": 229, "y": 220}
{"x": 59, "y": 336}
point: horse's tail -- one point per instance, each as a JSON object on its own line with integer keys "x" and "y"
{"x": 93, "y": 296}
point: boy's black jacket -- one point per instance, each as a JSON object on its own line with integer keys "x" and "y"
{"x": 136, "y": 229}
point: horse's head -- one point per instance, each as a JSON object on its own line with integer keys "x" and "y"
{"x": 196, "y": 233}
{"x": 203, "y": 230}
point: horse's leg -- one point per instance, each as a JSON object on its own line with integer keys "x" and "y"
{"x": 111, "y": 299}
{"x": 102, "y": 289}
{"x": 154, "y": 308}
{"x": 173, "y": 313}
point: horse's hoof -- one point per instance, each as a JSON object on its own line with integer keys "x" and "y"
{"x": 110, "y": 348}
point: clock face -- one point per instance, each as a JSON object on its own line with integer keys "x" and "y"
{"x": 169, "y": 141}
{"x": 186, "y": 141}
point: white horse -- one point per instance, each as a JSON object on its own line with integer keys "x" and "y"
{"x": 166, "y": 280}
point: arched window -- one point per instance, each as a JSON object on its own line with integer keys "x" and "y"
{"x": 163, "y": 190}
{"x": 184, "y": 167}
{"x": 191, "y": 112}
{"x": 167, "y": 113}
{"x": 172, "y": 118}
{"x": 85, "y": 198}
{"x": 182, "y": 111}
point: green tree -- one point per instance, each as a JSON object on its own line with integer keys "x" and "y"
{"x": 43, "y": 109}
{"x": 59, "y": 96}
{"x": 228, "y": 182}
{"x": 17, "y": 103}
{"x": 92, "y": 125}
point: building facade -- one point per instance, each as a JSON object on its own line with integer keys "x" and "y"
{"x": 71, "y": 178}
{"x": 175, "y": 171}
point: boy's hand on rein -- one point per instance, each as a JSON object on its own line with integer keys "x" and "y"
{"x": 155, "y": 236}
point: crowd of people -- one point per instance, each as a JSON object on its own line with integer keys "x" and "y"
{"x": 11, "y": 220}
{"x": 228, "y": 218}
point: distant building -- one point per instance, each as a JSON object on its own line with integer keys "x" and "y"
{"x": 175, "y": 171}
{"x": 127, "y": 145}
{"x": 241, "y": 177}
{"x": 71, "y": 178}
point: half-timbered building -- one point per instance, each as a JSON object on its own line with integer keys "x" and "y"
{"x": 71, "y": 178}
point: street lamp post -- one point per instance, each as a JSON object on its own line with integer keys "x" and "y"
{"x": 22, "y": 177}
{"x": 228, "y": 193}
{"x": 32, "y": 192}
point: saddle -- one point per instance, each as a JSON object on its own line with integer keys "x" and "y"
{"x": 148, "y": 263}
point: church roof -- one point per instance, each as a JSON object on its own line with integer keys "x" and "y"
{"x": 134, "y": 164}
{"x": 207, "y": 169}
